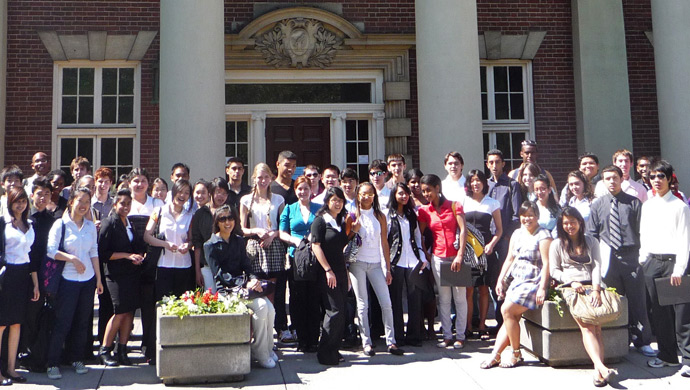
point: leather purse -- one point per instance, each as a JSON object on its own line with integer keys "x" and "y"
{"x": 581, "y": 307}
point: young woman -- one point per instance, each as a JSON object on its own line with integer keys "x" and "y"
{"x": 529, "y": 249}
{"x": 405, "y": 243}
{"x": 209, "y": 197}
{"x": 159, "y": 188}
{"x": 372, "y": 255}
{"x": 174, "y": 273}
{"x": 80, "y": 277}
{"x": 226, "y": 254}
{"x": 546, "y": 201}
{"x": 17, "y": 285}
{"x": 259, "y": 212}
{"x": 575, "y": 260}
{"x": 305, "y": 309}
{"x": 526, "y": 180}
{"x": 122, "y": 253}
{"x": 57, "y": 204}
{"x": 444, "y": 219}
{"x": 329, "y": 237}
{"x": 481, "y": 211}
{"x": 579, "y": 193}
{"x": 412, "y": 178}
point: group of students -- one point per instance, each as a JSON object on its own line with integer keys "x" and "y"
{"x": 401, "y": 228}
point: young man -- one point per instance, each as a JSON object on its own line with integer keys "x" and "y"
{"x": 507, "y": 192}
{"x": 312, "y": 173}
{"x": 331, "y": 176}
{"x": 377, "y": 177}
{"x": 283, "y": 185}
{"x": 11, "y": 177}
{"x": 615, "y": 222}
{"x": 453, "y": 186}
{"x": 348, "y": 182}
{"x": 623, "y": 159}
{"x": 101, "y": 199}
{"x": 396, "y": 167}
{"x": 664, "y": 239}
{"x": 180, "y": 171}
{"x": 41, "y": 166}
{"x": 79, "y": 167}
{"x": 528, "y": 152}
{"x": 642, "y": 168}
{"x": 589, "y": 165}
{"x": 234, "y": 168}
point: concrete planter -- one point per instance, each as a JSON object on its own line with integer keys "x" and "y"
{"x": 557, "y": 340}
{"x": 202, "y": 348}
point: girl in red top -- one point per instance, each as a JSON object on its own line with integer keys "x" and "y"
{"x": 444, "y": 219}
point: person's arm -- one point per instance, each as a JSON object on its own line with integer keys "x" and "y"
{"x": 420, "y": 246}
{"x": 595, "y": 256}
{"x": 544, "y": 284}
{"x": 93, "y": 253}
{"x": 506, "y": 267}
{"x": 462, "y": 234}
{"x": 489, "y": 247}
{"x": 272, "y": 234}
{"x": 386, "y": 249}
{"x": 244, "y": 218}
{"x": 154, "y": 241}
{"x": 36, "y": 291}
{"x": 54, "y": 243}
{"x": 556, "y": 262}
{"x": 285, "y": 232}
{"x": 515, "y": 202}
{"x": 682, "y": 245}
{"x": 318, "y": 233}
{"x": 592, "y": 223}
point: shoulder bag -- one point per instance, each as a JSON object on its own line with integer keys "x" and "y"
{"x": 153, "y": 253}
{"x": 51, "y": 269}
{"x": 580, "y": 305}
{"x": 352, "y": 247}
{"x": 306, "y": 265}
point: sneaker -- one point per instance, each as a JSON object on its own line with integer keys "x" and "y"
{"x": 54, "y": 373}
{"x": 685, "y": 371}
{"x": 647, "y": 351}
{"x": 286, "y": 337}
{"x": 459, "y": 344}
{"x": 274, "y": 356}
{"x": 80, "y": 368}
{"x": 268, "y": 363}
{"x": 445, "y": 344}
{"x": 658, "y": 363}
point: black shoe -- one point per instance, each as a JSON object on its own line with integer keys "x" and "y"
{"x": 105, "y": 354}
{"x": 17, "y": 379}
{"x": 122, "y": 357}
{"x": 394, "y": 350}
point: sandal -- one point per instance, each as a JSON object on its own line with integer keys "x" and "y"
{"x": 515, "y": 360}
{"x": 491, "y": 363}
{"x": 484, "y": 335}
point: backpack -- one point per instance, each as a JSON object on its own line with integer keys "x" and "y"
{"x": 306, "y": 265}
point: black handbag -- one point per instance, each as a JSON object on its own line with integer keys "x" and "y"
{"x": 153, "y": 253}
{"x": 306, "y": 265}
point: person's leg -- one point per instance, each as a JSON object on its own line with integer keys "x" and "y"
{"x": 483, "y": 306}
{"x": 494, "y": 272}
{"x": 299, "y": 305}
{"x": 313, "y": 314}
{"x": 209, "y": 282}
{"x": 682, "y": 312}
{"x": 65, "y": 307}
{"x": 358, "y": 277}
{"x": 378, "y": 283}
{"x": 662, "y": 316}
{"x": 147, "y": 301}
{"x": 105, "y": 309}
{"x": 512, "y": 313}
{"x": 469, "y": 297}
{"x": 2, "y": 333}
{"x": 82, "y": 316}
{"x": 634, "y": 280}
{"x": 413, "y": 332}
{"x": 396, "y": 292}
{"x": 12, "y": 346}
{"x": 461, "y": 309}
{"x": 444, "y": 296}
{"x": 260, "y": 324}
{"x": 591, "y": 338}
{"x": 281, "y": 323}
{"x": 333, "y": 321}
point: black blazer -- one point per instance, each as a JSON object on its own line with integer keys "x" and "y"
{"x": 113, "y": 238}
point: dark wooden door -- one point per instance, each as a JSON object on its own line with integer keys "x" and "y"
{"x": 309, "y": 138}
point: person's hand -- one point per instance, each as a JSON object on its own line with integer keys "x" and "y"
{"x": 81, "y": 268}
{"x": 330, "y": 279}
{"x": 541, "y": 296}
{"x": 389, "y": 277}
{"x": 499, "y": 290}
{"x": 356, "y": 226}
{"x": 37, "y": 294}
{"x": 296, "y": 241}
{"x": 170, "y": 246}
{"x": 425, "y": 264}
{"x": 456, "y": 265}
{"x": 199, "y": 278}
{"x": 267, "y": 240}
{"x": 675, "y": 280}
{"x": 184, "y": 248}
{"x": 489, "y": 248}
{"x": 136, "y": 258}
{"x": 255, "y": 284}
{"x": 99, "y": 287}
{"x": 577, "y": 286}
{"x": 596, "y": 298}
{"x": 262, "y": 233}
{"x": 98, "y": 225}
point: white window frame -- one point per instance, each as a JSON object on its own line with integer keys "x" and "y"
{"x": 96, "y": 129}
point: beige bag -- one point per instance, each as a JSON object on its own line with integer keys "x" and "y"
{"x": 580, "y": 305}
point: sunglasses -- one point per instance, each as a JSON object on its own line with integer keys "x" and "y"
{"x": 660, "y": 176}
{"x": 311, "y": 174}
{"x": 225, "y": 218}
{"x": 377, "y": 173}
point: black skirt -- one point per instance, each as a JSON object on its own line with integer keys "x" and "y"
{"x": 15, "y": 294}
{"x": 124, "y": 292}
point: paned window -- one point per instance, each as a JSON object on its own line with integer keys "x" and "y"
{"x": 357, "y": 147}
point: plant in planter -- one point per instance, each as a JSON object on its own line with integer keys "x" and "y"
{"x": 202, "y": 337}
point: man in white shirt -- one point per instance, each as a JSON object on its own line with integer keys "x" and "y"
{"x": 348, "y": 183}
{"x": 664, "y": 250}
{"x": 623, "y": 159}
{"x": 41, "y": 166}
{"x": 377, "y": 177}
{"x": 454, "y": 184}
{"x": 331, "y": 178}
{"x": 11, "y": 177}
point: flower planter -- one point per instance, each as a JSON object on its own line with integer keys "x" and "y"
{"x": 557, "y": 340}
{"x": 202, "y": 348}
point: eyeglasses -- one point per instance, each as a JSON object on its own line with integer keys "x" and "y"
{"x": 225, "y": 218}
{"x": 377, "y": 173}
{"x": 366, "y": 195}
{"x": 660, "y": 176}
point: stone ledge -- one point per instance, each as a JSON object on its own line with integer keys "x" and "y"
{"x": 203, "y": 329}
{"x": 203, "y": 364}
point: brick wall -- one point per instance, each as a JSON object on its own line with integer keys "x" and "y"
{"x": 30, "y": 68}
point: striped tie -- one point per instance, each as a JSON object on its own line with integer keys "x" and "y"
{"x": 615, "y": 226}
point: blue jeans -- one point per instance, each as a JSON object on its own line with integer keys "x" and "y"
{"x": 73, "y": 308}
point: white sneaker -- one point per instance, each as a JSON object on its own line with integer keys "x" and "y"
{"x": 286, "y": 337}
{"x": 54, "y": 373}
{"x": 647, "y": 351}
{"x": 268, "y": 363}
{"x": 685, "y": 371}
{"x": 658, "y": 363}
{"x": 274, "y": 356}
{"x": 80, "y": 368}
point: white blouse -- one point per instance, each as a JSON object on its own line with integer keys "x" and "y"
{"x": 260, "y": 213}
{"x": 18, "y": 244}
{"x": 145, "y": 208}
{"x": 81, "y": 242}
{"x": 175, "y": 231}
{"x": 370, "y": 231}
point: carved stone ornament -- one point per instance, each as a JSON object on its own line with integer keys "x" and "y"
{"x": 299, "y": 43}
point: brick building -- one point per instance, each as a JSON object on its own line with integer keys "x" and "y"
{"x": 147, "y": 83}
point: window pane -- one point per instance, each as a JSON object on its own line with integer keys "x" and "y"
{"x": 108, "y": 150}
{"x": 487, "y": 145}
{"x": 126, "y": 81}
{"x": 110, "y": 81}
{"x": 229, "y": 133}
{"x": 517, "y": 139}
{"x": 501, "y": 102}
{"x": 500, "y": 79}
{"x": 69, "y": 81}
{"x": 503, "y": 144}
{"x": 85, "y": 110}
{"x": 351, "y": 130}
{"x": 517, "y": 108}
{"x": 86, "y": 81}
{"x": 125, "y": 113}
{"x": 229, "y": 150}
{"x": 109, "y": 109}
{"x": 363, "y": 130}
{"x": 482, "y": 77}
{"x": 363, "y": 148}
{"x": 516, "y": 79}
{"x": 242, "y": 133}
{"x": 69, "y": 110}
{"x": 485, "y": 107}
{"x": 351, "y": 152}
{"x": 243, "y": 152}
{"x": 125, "y": 151}
{"x": 85, "y": 148}
{"x": 68, "y": 150}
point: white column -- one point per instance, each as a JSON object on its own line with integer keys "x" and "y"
{"x": 450, "y": 114}
{"x": 378, "y": 136}
{"x": 338, "y": 139}
{"x": 257, "y": 139}
{"x": 192, "y": 86}
{"x": 671, "y": 24}
{"x": 3, "y": 75}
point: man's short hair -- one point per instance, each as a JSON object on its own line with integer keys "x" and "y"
{"x": 494, "y": 152}
{"x": 235, "y": 160}
{"x": 286, "y": 155}
{"x": 57, "y": 172}
{"x": 662, "y": 166}
{"x": 623, "y": 152}
{"x": 333, "y": 168}
{"x": 349, "y": 173}
{"x": 11, "y": 170}
{"x": 453, "y": 154}
{"x": 588, "y": 155}
{"x": 643, "y": 158}
{"x": 313, "y": 167}
{"x": 80, "y": 161}
{"x": 612, "y": 168}
{"x": 104, "y": 172}
{"x": 41, "y": 181}
{"x": 379, "y": 164}
{"x": 528, "y": 142}
{"x": 180, "y": 165}
{"x": 395, "y": 157}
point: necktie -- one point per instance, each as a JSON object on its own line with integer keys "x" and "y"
{"x": 615, "y": 226}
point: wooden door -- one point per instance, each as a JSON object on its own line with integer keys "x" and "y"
{"x": 309, "y": 138}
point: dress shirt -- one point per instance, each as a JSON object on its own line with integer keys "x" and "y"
{"x": 384, "y": 196}
{"x": 145, "y": 208}
{"x": 177, "y": 232}
{"x": 629, "y": 210}
{"x": 17, "y": 243}
{"x": 104, "y": 208}
{"x": 664, "y": 229}
{"x": 507, "y": 192}
{"x": 583, "y": 206}
{"x": 318, "y": 199}
{"x": 82, "y": 243}
{"x": 453, "y": 189}
{"x": 407, "y": 257}
{"x": 628, "y": 186}
{"x": 234, "y": 197}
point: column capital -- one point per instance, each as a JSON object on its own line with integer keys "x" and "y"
{"x": 379, "y": 115}
{"x": 258, "y": 116}
{"x": 339, "y": 115}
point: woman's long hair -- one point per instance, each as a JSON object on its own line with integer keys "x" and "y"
{"x": 260, "y": 167}
{"x": 533, "y": 169}
{"x": 331, "y": 192}
{"x": 568, "y": 246}
{"x": 551, "y": 203}
{"x": 588, "y": 192}
{"x": 14, "y": 196}
{"x": 377, "y": 209}
{"x": 432, "y": 180}
{"x": 408, "y": 209}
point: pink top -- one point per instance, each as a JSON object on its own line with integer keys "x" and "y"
{"x": 443, "y": 225}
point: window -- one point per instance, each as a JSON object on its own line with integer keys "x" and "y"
{"x": 237, "y": 140}
{"x": 357, "y": 147}
{"x": 506, "y": 99}
{"x": 97, "y": 114}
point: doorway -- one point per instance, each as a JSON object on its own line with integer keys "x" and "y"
{"x": 308, "y": 138}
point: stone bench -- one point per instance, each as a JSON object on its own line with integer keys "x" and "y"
{"x": 557, "y": 340}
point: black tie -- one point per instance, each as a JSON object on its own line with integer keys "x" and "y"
{"x": 615, "y": 226}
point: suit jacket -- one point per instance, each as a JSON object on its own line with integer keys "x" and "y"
{"x": 113, "y": 238}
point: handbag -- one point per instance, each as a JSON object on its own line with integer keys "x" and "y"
{"x": 51, "y": 269}
{"x": 352, "y": 248}
{"x": 306, "y": 265}
{"x": 3, "y": 262}
{"x": 581, "y": 307}
{"x": 239, "y": 288}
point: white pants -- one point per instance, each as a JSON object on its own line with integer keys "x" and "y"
{"x": 360, "y": 272}
{"x": 209, "y": 281}
{"x": 262, "y": 323}
{"x": 444, "y": 296}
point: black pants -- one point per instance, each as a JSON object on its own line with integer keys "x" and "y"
{"x": 281, "y": 322}
{"x": 333, "y": 300}
{"x": 414, "y": 307}
{"x": 671, "y": 323}
{"x": 31, "y": 325}
{"x": 626, "y": 274}
{"x": 305, "y": 310}
{"x": 105, "y": 309}
{"x": 147, "y": 300}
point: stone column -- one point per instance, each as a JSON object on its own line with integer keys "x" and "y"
{"x": 338, "y": 139}
{"x": 192, "y": 86}
{"x": 257, "y": 140}
{"x": 3, "y": 75}
{"x": 671, "y": 24}
{"x": 602, "y": 94}
{"x": 378, "y": 135}
{"x": 449, "y": 94}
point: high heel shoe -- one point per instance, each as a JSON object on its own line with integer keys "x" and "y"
{"x": 612, "y": 372}
{"x": 105, "y": 353}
